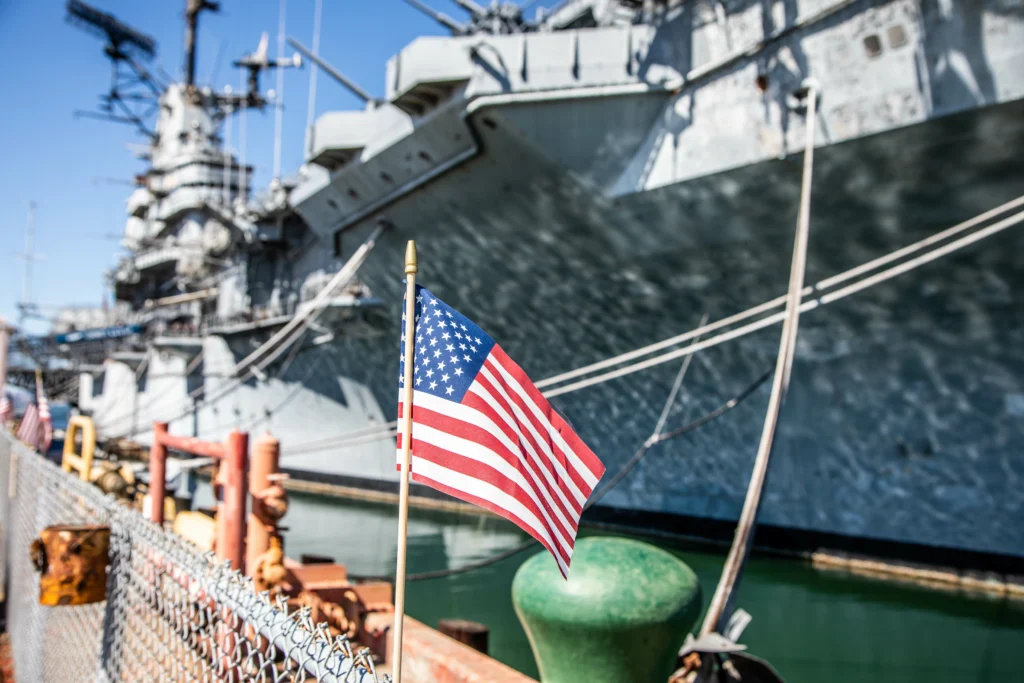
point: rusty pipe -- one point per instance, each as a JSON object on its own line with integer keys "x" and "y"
{"x": 231, "y": 513}
{"x": 157, "y": 473}
{"x": 188, "y": 444}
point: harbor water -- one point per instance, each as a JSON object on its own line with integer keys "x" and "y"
{"x": 811, "y": 625}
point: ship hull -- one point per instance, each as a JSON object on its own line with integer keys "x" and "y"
{"x": 902, "y": 422}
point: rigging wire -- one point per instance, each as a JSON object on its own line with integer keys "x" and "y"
{"x": 288, "y": 398}
{"x": 827, "y": 283}
{"x": 683, "y": 369}
{"x": 290, "y": 333}
{"x": 309, "y": 315}
{"x": 242, "y": 195}
{"x": 228, "y": 156}
{"x": 279, "y": 95}
{"x": 311, "y": 105}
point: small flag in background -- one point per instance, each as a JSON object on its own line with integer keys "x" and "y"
{"x": 28, "y": 431}
{"x": 45, "y": 423}
{"x": 6, "y": 409}
{"x": 483, "y": 433}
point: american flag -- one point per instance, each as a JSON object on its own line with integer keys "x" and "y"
{"x": 483, "y": 433}
{"x": 28, "y": 431}
{"x": 6, "y": 409}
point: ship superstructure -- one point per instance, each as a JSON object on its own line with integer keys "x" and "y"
{"x": 210, "y": 268}
{"x": 609, "y": 172}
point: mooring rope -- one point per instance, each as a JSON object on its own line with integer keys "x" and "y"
{"x": 820, "y": 300}
{"x": 718, "y": 610}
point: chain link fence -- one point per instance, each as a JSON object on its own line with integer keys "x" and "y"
{"x": 172, "y": 613}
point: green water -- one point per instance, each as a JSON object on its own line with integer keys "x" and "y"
{"x": 812, "y": 626}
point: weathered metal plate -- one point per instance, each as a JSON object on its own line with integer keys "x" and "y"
{"x": 73, "y": 561}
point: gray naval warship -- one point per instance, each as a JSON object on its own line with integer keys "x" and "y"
{"x": 590, "y": 184}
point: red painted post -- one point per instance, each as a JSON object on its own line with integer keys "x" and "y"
{"x": 231, "y": 522}
{"x": 157, "y": 473}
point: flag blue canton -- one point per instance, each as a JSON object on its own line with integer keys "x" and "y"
{"x": 450, "y": 349}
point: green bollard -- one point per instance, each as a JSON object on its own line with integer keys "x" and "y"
{"x": 620, "y": 618}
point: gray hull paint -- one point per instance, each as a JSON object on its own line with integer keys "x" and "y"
{"x": 904, "y": 418}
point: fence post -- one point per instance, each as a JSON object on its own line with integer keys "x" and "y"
{"x": 157, "y": 473}
{"x": 231, "y": 526}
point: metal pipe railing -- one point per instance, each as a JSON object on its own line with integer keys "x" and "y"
{"x": 233, "y": 455}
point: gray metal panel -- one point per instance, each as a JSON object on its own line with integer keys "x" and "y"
{"x": 358, "y": 187}
{"x": 595, "y": 137}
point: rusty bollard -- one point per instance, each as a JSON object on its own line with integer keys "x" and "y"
{"x": 264, "y": 547}
{"x": 73, "y": 561}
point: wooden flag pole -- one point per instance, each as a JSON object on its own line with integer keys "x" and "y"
{"x": 403, "y": 500}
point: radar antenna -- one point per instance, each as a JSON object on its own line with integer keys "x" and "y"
{"x": 192, "y": 11}
{"x": 257, "y": 62}
{"x": 134, "y": 91}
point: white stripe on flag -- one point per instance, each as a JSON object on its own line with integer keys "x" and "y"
{"x": 526, "y": 444}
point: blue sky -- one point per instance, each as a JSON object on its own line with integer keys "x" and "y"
{"x": 51, "y": 68}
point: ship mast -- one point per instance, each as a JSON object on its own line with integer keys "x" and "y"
{"x": 26, "y": 307}
{"x": 192, "y": 10}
